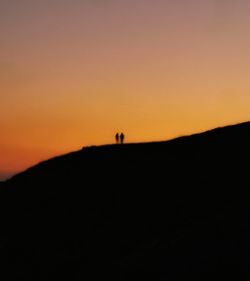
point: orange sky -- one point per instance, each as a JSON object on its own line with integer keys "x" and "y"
{"x": 72, "y": 73}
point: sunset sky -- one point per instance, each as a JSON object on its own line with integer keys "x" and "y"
{"x": 73, "y": 72}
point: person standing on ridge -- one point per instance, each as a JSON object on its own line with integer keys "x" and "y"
{"x": 117, "y": 137}
{"x": 122, "y": 137}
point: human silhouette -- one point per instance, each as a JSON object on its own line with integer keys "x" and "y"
{"x": 117, "y": 137}
{"x": 122, "y": 136}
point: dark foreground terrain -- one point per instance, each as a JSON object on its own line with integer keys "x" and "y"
{"x": 176, "y": 210}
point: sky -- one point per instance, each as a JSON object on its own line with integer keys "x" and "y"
{"x": 74, "y": 72}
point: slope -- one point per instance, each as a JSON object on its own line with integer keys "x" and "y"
{"x": 174, "y": 210}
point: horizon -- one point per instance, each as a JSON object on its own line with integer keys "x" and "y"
{"x": 75, "y": 72}
{"x": 6, "y": 175}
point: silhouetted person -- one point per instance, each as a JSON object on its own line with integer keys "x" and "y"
{"x": 117, "y": 138}
{"x": 122, "y": 136}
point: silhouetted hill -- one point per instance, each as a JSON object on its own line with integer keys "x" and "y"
{"x": 174, "y": 210}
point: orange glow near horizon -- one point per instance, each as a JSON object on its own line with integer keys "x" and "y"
{"x": 72, "y": 73}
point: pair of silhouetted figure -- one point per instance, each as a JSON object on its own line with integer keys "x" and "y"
{"x": 119, "y": 138}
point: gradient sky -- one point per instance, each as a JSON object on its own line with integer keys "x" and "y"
{"x": 74, "y": 72}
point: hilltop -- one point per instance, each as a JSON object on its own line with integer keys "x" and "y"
{"x": 173, "y": 210}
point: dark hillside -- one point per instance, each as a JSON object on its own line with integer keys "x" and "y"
{"x": 175, "y": 210}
